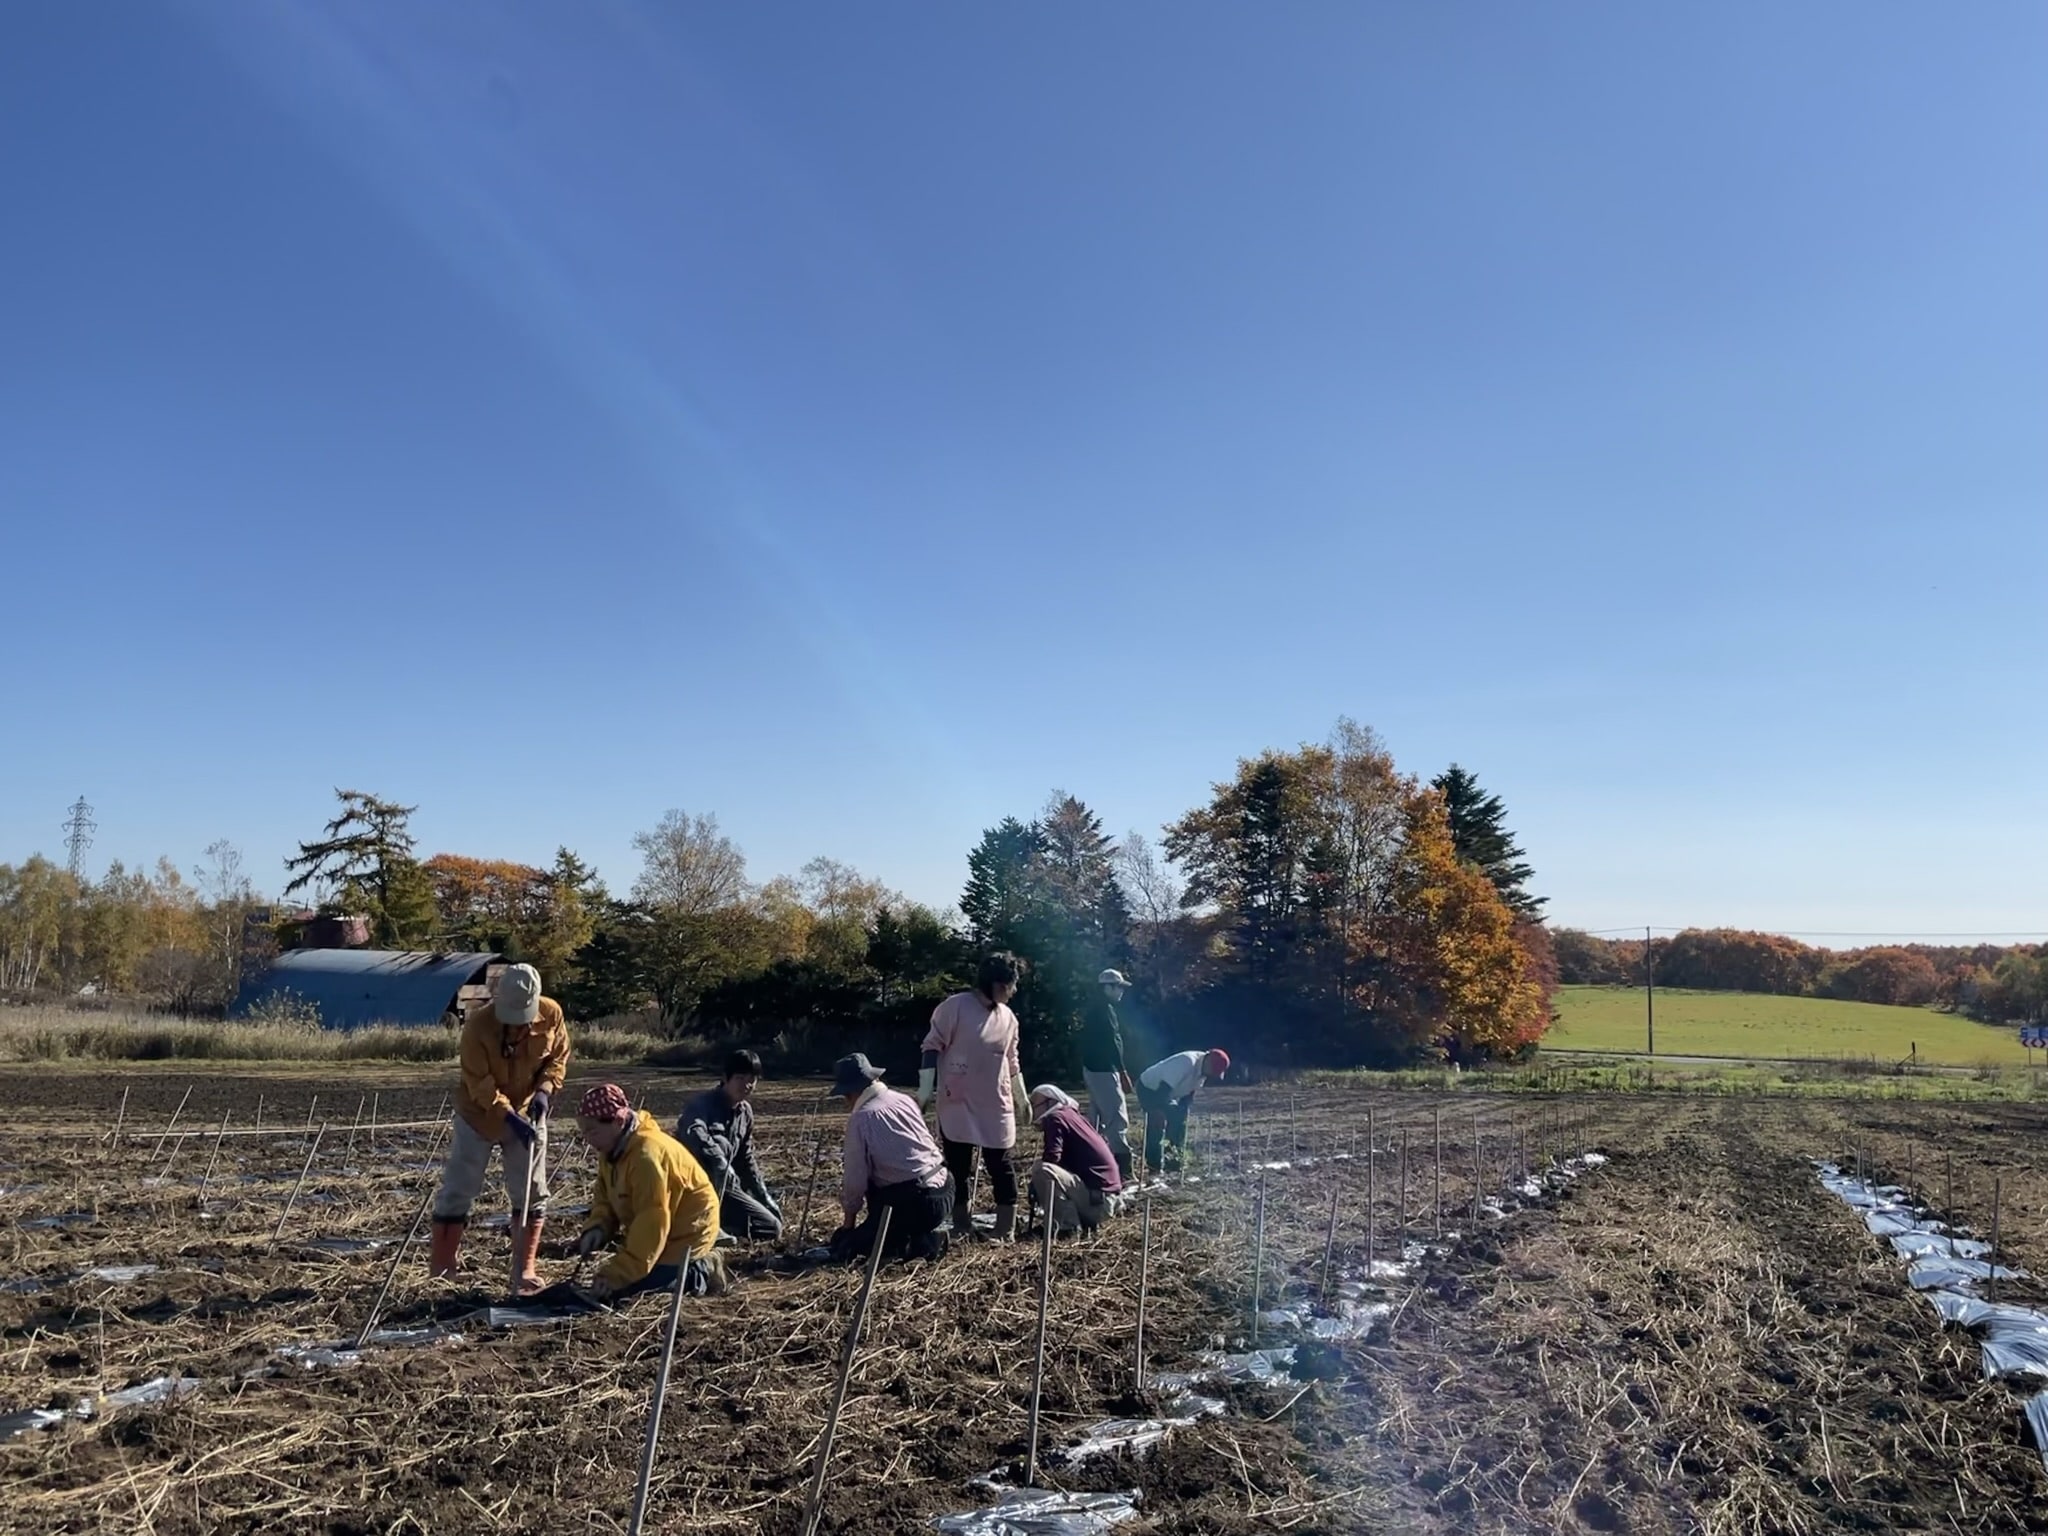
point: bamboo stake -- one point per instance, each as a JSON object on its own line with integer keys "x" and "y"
{"x": 374, "y": 1098}
{"x": 1478, "y": 1170}
{"x": 1038, "y": 1350}
{"x": 350, "y": 1150}
{"x": 1144, "y": 1279}
{"x": 120, "y": 1115}
{"x": 815, "y": 1504}
{"x": 1330, "y": 1240}
{"x": 804, "y": 1227}
{"x": 294, "y": 1198}
{"x": 176, "y": 1148}
{"x": 1372, "y": 1191}
{"x": 1401, "y": 1219}
{"x": 1259, "y": 1257}
{"x": 309, "y": 1111}
{"x": 1437, "y": 1125}
{"x": 1948, "y": 1197}
{"x": 259, "y": 1111}
{"x": 167, "y": 1129}
{"x": 391, "y": 1274}
{"x": 1997, "y": 1185}
{"x": 668, "y": 1354}
{"x": 207, "y": 1177}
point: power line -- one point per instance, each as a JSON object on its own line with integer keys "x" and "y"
{"x": 78, "y": 830}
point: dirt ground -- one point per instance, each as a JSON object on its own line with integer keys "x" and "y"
{"x": 1695, "y": 1337}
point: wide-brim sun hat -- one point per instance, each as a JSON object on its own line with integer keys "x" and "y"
{"x": 852, "y": 1074}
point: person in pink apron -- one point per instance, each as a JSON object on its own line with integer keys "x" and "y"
{"x": 970, "y": 1066}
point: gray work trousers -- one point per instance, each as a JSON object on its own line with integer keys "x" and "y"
{"x": 747, "y": 1219}
{"x": 1111, "y": 1115}
{"x": 469, "y": 1159}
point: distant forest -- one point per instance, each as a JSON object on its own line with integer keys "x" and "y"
{"x": 1320, "y": 907}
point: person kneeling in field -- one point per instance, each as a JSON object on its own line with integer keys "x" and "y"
{"x": 1077, "y": 1174}
{"x": 1166, "y": 1089}
{"x": 892, "y": 1164}
{"x": 515, "y": 1053}
{"x": 652, "y": 1199}
{"x": 718, "y": 1128}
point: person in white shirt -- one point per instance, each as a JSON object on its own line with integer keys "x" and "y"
{"x": 1165, "y": 1089}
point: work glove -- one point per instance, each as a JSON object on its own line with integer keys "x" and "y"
{"x": 1020, "y": 1096}
{"x": 927, "y": 1085}
{"x": 1125, "y": 1079}
{"x": 537, "y": 1106}
{"x": 518, "y": 1125}
{"x": 589, "y": 1242}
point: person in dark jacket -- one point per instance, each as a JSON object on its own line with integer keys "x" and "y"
{"x": 1076, "y": 1178}
{"x": 718, "y": 1128}
{"x": 1104, "y": 1071}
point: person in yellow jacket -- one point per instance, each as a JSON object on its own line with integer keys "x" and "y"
{"x": 515, "y": 1053}
{"x": 653, "y": 1201}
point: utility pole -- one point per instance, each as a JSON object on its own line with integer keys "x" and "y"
{"x": 78, "y": 830}
{"x": 1649, "y": 993}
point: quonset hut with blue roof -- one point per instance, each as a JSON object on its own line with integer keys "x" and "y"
{"x": 354, "y": 988}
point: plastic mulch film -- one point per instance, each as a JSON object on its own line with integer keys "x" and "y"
{"x": 344, "y": 1246}
{"x": 2037, "y": 1419}
{"x": 21, "y": 1423}
{"x": 164, "y": 1389}
{"x": 1939, "y": 1272}
{"x": 1947, "y": 1268}
{"x": 1035, "y": 1512}
{"x": 1258, "y": 1365}
{"x": 532, "y": 1317}
{"x": 339, "y": 1356}
{"x": 1109, "y": 1436}
{"x": 119, "y": 1274}
{"x": 1929, "y": 1242}
{"x": 2014, "y": 1339}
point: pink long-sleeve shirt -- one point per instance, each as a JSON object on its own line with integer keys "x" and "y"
{"x": 977, "y": 1048}
{"x": 887, "y": 1142}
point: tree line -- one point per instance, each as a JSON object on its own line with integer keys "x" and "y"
{"x": 1995, "y": 983}
{"x": 1319, "y": 908}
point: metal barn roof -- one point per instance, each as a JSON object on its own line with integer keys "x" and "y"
{"x": 355, "y": 987}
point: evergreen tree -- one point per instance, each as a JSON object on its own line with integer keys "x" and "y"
{"x": 1479, "y": 830}
{"x": 363, "y": 864}
{"x": 999, "y": 897}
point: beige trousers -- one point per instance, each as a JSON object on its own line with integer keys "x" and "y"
{"x": 1073, "y": 1204}
{"x": 469, "y": 1159}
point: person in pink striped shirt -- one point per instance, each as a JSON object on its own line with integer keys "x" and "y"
{"x": 892, "y": 1164}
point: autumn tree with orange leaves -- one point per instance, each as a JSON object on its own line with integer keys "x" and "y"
{"x": 1345, "y": 926}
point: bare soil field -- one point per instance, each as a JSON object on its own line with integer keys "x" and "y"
{"x": 1693, "y": 1337}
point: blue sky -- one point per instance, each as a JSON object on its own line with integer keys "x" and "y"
{"x": 859, "y": 421}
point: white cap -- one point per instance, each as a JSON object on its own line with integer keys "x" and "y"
{"x": 1113, "y": 979}
{"x": 516, "y": 997}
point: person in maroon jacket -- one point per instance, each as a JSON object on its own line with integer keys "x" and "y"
{"x": 1076, "y": 1176}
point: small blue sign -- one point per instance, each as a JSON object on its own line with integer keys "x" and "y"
{"x": 2034, "y": 1035}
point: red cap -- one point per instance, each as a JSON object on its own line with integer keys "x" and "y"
{"x": 1216, "y": 1064}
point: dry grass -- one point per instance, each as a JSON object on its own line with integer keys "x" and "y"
{"x": 40, "y": 1033}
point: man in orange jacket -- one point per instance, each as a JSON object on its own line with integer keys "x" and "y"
{"x": 515, "y": 1053}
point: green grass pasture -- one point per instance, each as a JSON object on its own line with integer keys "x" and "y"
{"x": 1748, "y": 1024}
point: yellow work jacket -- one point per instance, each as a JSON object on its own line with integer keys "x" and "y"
{"x": 503, "y": 1066}
{"x": 655, "y": 1199}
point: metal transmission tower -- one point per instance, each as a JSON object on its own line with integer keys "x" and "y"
{"x": 78, "y": 830}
